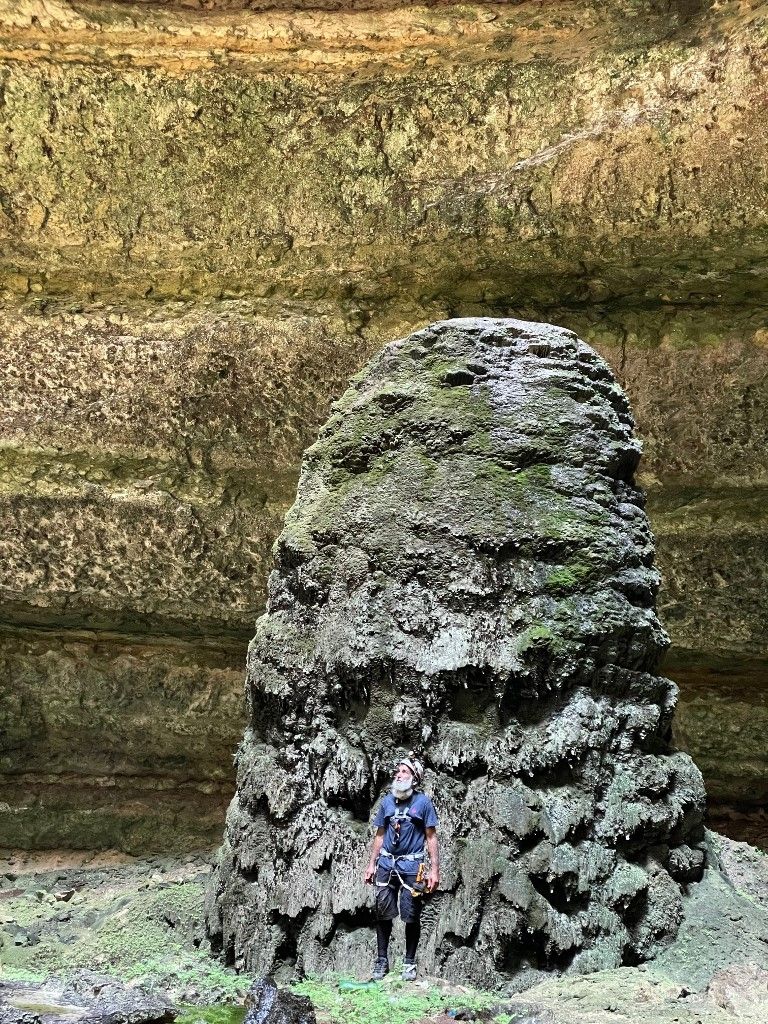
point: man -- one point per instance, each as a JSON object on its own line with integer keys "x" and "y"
{"x": 406, "y": 822}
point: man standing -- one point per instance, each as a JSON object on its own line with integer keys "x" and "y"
{"x": 406, "y": 822}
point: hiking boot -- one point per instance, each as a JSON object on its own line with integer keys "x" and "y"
{"x": 409, "y": 971}
{"x": 380, "y": 968}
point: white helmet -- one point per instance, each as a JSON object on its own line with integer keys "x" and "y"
{"x": 413, "y": 764}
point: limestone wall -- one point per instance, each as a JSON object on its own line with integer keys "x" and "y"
{"x": 212, "y": 213}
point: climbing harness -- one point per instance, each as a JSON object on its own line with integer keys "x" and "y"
{"x": 393, "y": 871}
{"x": 401, "y": 815}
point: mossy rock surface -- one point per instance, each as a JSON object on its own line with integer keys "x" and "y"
{"x": 151, "y": 909}
{"x": 468, "y": 570}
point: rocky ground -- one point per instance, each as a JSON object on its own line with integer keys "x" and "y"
{"x": 140, "y": 922}
{"x": 137, "y": 920}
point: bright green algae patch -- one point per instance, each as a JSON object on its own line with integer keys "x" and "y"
{"x": 211, "y": 1015}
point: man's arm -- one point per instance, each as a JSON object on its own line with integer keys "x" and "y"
{"x": 434, "y": 860}
{"x": 378, "y": 842}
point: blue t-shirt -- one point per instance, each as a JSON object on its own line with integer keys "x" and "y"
{"x": 411, "y": 835}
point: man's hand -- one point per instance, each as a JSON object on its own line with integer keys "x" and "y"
{"x": 370, "y": 873}
{"x": 433, "y": 880}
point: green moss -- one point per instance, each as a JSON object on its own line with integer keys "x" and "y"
{"x": 393, "y": 1002}
{"x": 9, "y": 973}
{"x": 539, "y": 475}
{"x": 535, "y": 637}
{"x": 145, "y": 935}
{"x": 568, "y": 577}
{"x": 561, "y": 579}
{"x": 211, "y": 1015}
{"x": 196, "y": 970}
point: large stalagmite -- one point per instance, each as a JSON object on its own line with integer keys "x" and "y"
{"x": 467, "y": 570}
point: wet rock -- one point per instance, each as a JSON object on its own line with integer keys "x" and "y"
{"x": 468, "y": 570}
{"x": 267, "y": 1004}
{"x": 15, "y": 1015}
{"x": 86, "y": 998}
{"x": 514, "y": 1013}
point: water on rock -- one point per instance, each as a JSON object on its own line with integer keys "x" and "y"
{"x": 467, "y": 570}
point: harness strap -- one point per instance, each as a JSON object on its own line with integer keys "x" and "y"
{"x": 402, "y": 812}
{"x": 393, "y": 870}
{"x": 411, "y": 890}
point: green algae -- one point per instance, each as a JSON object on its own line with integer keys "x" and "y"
{"x": 393, "y": 1002}
{"x": 44, "y": 1008}
{"x": 10, "y": 973}
{"x": 567, "y": 578}
{"x": 153, "y": 934}
{"x": 211, "y": 1015}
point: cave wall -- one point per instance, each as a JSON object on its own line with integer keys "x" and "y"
{"x": 212, "y": 214}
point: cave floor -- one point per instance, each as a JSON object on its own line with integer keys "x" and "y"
{"x": 141, "y": 920}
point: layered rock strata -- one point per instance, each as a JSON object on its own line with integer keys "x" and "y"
{"x": 213, "y": 212}
{"x": 467, "y": 569}
{"x": 556, "y": 152}
{"x": 145, "y": 467}
{"x": 116, "y": 740}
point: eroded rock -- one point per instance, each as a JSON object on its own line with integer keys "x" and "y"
{"x": 86, "y": 998}
{"x": 267, "y": 1004}
{"x": 467, "y": 568}
{"x": 742, "y": 989}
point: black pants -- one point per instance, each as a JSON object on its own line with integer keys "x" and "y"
{"x": 393, "y": 887}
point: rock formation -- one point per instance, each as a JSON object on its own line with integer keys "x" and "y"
{"x": 213, "y": 212}
{"x": 144, "y": 916}
{"x": 85, "y": 998}
{"x": 266, "y": 1004}
{"x": 467, "y": 569}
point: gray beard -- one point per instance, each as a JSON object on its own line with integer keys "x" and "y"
{"x": 402, "y": 790}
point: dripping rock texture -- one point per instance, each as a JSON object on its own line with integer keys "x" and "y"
{"x": 214, "y": 212}
{"x": 468, "y": 569}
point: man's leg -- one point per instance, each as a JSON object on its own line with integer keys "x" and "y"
{"x": 383, "y": 935}
{"x": 412, "y": 936}
{"x": 410, "y": 912}
{"x": 386, "y": 912}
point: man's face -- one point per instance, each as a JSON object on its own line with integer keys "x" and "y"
{"x": 403, "y": 774}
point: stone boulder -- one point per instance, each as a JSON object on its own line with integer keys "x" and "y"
{"x": 85, "y": 998}
{"x": 267, "y": 1004}
{"x": 467, "y": 570}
